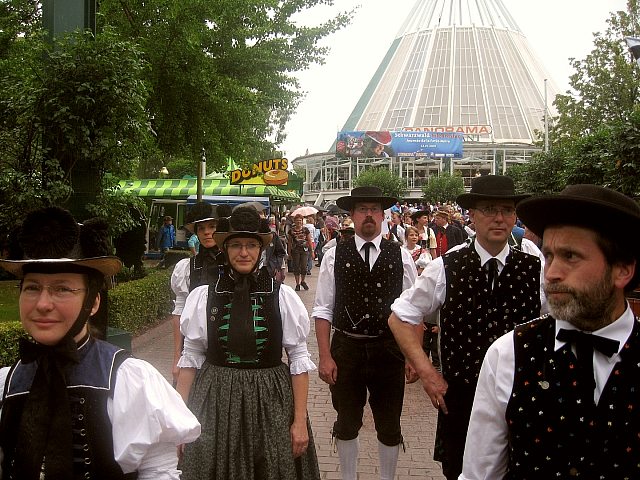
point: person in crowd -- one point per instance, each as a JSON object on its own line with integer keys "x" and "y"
{"x": 310, "y": 225}
{"x": 447, "y": 235}
{"x": 253, "y": 407}
{"x": 69, "y": 402}
{"x": 557, "y": 397}
{"x": 194, "y": 244}
{"x": 397, "y": 230}
{"x": 421, "y": 220}
{"x": 202, "y": 269}
{"x": 482, "y": 289}
{"x": 346, "y": 232}
{"x": 299, "y": 243}
{"x": 166, "y": 235}
{"x": 361, "y": 277}
{"x": 412, "y": 244}
{"x": 320, "y": 237}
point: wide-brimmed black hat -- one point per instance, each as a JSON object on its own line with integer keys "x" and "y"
{"x": 200, "y": 212}
{"x": 419, "y": 213}
{"x": 490, "y": 187}
{"x": 591, "y": 206}
{"x": 51, "y": 239}
{"x": 365, "y": 194}
{"x": 244, "y": 221}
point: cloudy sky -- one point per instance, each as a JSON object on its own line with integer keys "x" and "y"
{"x": 556, "y": 29}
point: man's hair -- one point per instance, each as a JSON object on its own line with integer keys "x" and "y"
{"x": 619, "y": 252}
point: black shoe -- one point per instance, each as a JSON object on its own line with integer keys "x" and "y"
{"x": 297, "y": 288}
{"x": 304, "y": 285}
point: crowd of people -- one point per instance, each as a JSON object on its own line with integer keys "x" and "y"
{"x": 520, "y": 335}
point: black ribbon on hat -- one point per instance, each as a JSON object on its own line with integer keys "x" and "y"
{"x": 45, "y": 433}
{"x": 585, "y": 344}
{"x": 242, "y": 335}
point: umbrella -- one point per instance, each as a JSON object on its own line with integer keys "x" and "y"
{"x": 335, "y": 210}
{"x": 304, "y": 211}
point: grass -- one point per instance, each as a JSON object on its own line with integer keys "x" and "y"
{"x": 9, "y": 301}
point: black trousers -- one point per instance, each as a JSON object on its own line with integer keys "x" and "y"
{"x": 375, "y": 366}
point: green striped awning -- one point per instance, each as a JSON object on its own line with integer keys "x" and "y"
{"x": 174, "y": 188}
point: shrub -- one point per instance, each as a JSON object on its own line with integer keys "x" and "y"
{"x": 136, "y": 305}
{"x": 10, "y": 333}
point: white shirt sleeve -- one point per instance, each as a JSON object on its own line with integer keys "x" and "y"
{"x": 295, "y": 330}
{"x": 410, "y": 272}
{"x": 180, "y": 284}
{"x": 486, "y": 449}
{"x": 325, "y": 292}
{"x": 425, "y": 296}
{"x": 529, "y": 247}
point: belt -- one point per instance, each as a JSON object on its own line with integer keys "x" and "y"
{"x": 359, "y": 336}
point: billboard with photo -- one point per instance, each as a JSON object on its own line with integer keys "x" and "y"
{"x": 372, "y": 144}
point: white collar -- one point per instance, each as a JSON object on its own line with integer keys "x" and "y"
{"x": 361, "y": 241}
{"x": 486, "y": 256}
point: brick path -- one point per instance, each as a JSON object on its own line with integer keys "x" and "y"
{"x": 418, "y": 417}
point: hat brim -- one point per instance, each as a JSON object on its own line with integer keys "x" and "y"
{"x": 221, "y": 237}
{"x": 108, "y": 265}
{"x": 192, "y": 226}
{"x": 469, "y": 200}
{"x": 347, "y": 203}
{"x": 538, "y": 213}
{"x": 419, "y": 213}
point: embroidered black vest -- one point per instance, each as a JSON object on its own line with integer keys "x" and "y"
{"x": 267, "y": 322}
{"x": 552, "y": 434}
{"x": 90, "y": 383}
{"x": 205, "y": 267}
{"x": 363, "y": 298}
{"x": 471, "y": 318}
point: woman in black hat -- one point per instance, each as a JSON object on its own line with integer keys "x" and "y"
{"x": 202, "y": 269}
{"x": 68, "y": 403}
{"x": 251, "y": 405}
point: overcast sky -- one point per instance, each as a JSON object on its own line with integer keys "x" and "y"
{"x": 556, "y": 30}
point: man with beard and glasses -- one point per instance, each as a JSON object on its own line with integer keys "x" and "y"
{"x": 360, "y": 279}
{"x": 558, "y": 396}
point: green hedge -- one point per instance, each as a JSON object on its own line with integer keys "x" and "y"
{"x": 133, "y": 306}
{"x": 137, "y": 305}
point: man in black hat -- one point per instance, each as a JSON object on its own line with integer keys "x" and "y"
{"x": 361, "y": 277}
{"x": 558, "y": 396}
{"x": 482, "y": 289}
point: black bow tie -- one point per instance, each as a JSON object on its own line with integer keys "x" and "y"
{"x": 604, "y": 345}
{"x": 65, "y": 351}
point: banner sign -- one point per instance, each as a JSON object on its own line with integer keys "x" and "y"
{"x": 399, "y": 144}
{"x": 266, "y": 172}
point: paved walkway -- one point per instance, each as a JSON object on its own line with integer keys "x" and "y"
{"x": 418, "y": 417}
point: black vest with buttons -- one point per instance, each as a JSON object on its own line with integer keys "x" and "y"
{"x": 472, "y": 317}
{"x": 89, "y": 383}
{"x": 205, "y": 267}
{"x": 552, "y": 434}
{"x": 363, "y": 298}
{"x": 265, "y": 294}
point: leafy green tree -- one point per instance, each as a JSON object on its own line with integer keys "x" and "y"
{"x": 443, "y": 188}
{"x": 595, "y": 138}
{"x": 392, "y": 185}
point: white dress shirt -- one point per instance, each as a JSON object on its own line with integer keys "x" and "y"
{"x": 428, "y": 293}
{"x": 295, "y": 330}
{"x": 486, "y": 452}
{"x": 325, "y": 293}
{"x": 148, "y": 421}
{"x": 180, "y": 278}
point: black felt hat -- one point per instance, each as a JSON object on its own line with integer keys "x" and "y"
{"x": 590, "y": 206}
{"x": 419, "y": 213}
{"x": 243, "y": 222}
{"x": 200, "y": 212}
{"x": 365, "y": 194}
{"x": 51, "y": 238}
{"x": 490, "y": 187}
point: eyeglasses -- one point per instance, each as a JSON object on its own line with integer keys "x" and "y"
{"x": 365, "y": 210}
{"x": 59, "y": 293}
{"x": 492, "y": 211}
{"x": 237, "y": 247}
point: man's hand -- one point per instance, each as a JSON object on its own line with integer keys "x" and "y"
{"x": 328, "y": 370}
{"x": 436, "y": 387}
{"x": 410, "y": 373}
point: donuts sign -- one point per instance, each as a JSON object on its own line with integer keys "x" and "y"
{"x": 266, "y": 172}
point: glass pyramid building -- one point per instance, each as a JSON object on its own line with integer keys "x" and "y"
{"x": 459, "y": 66}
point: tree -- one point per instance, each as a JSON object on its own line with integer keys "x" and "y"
{"x": 443, "y": 188}
{"x": 390, "y": 183}
{"x": 595, "y": 138}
